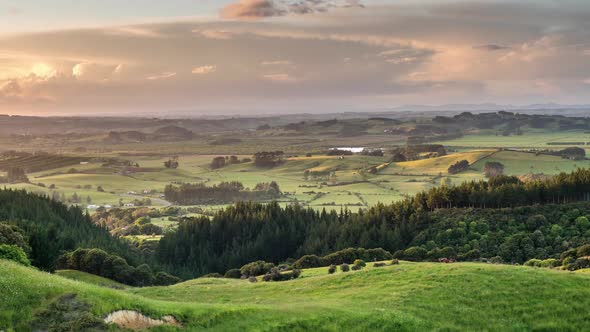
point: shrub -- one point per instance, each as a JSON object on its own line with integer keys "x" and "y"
{"x": 533, "y": 262}
{"x": 10, "y": 234}
{"x": 309, "y": 261}
{"x": 573, "y": 253}
{"x": 379, "y": 264}
{"x": 143, "y": 275}
{"x": 360, "y": 262}
{"x": 212, "y": 275}
{"x": 252, "y": 279}
{"x": 285, "y": 267}
{"x": 415, "y": 253}
{"x": 267, "y": 277}
{"x": 583, "y": 250}
{"x": 165, "y": 279}
{"x": 296, "y": 273}
{"x": 579, "y": 263}
{"x": 256, "y": 268}
{"x": 356, "y": 267}
{"x": 550, "y": 263}
{"x": 496, "y": 260}
{"x": 14, "y": 253}
{"x": 395, "y": 261}
{"x": 567, "y": 261}
{"x": 470, "y": 255}
{"x": 351, "y": 254}
{"x": 332, "y": 269}
{"x": 233, "y": 274}
{"x": 275, "y": 274}
{"x": 344, "y": 267}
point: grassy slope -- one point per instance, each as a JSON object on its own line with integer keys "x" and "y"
{"x": 89, "y": 278}
{"x": 409, "y": 296}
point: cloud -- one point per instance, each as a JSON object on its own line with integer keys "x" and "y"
{"x": 203, "y": 70}
{"x": 133, "y": 31}
{"x": 10, "y": 88}
{"x": 257, "y": 9}
{"x": 161, "y": 76}
{"x": 252, "y": 9}
{"x": 399, "y": 51}
{"x": 490, "y": 47}
{"x": 406, "y": 55}
{"x": 215, "y": 34}
{"x": 95, "y": 71}
{"x": 281, "y": 78}
{"x": 43, "y": 70}
{"x": 277, "y": 63}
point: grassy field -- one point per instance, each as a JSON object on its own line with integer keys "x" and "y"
{"x": 531, "y": 139}
{"x": 89, "y": 278}
{"x": 344, "y": 183}
{"x": 404, "y": 297}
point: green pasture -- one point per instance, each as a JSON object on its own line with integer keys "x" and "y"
{"x": 404, "y": 297}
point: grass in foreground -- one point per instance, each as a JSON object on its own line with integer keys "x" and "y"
{"x": 406, "y": 297}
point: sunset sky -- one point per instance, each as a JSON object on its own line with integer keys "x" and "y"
{"x": 263, "y": 56}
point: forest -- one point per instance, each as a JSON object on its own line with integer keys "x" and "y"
{"x": 504, "y": 218}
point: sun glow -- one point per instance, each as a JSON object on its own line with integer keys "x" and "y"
{"x": 43, "y": 70}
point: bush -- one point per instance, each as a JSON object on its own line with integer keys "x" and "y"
{"x": 267, "y": 277}
{"x": 14, "y": 253}
{"x": 533, "y": 262}
{"x": 275, "y": 274}
{"x": 568, "y": 260}
{"x": 415, "y": 254}
{"x": 233, "y": 274}
{"x": 583, "y": 250}
{"x": 579, "y": 263}
{"x": 212, "y": 275}
{"x": 344, "y": 267}
{"x": 496, "y": 260}
{"x": 356, "y": 267}
{"x": 143, "y": 275}
{"x": 296, "y": 273}
{"x": 471, "y": 255}
{"x": 360, "y": 262}
{"x": 309, "y": 261}
{"x": 550, "y": 263}
{"x": 252, "y": 279}
{"x": 285, "y": 267}
{"x": 256, "y": 268}
{"x": 10, "y": 234}
{"x": 379, "y": 264}
{"x": 351, "y": 254}
{"x": 573, "y": 253}
{"x": 165, "y": 279}
{"x": 395, "y": 261}
{"x": 332, "y": 269}
{"x": 99, "y": 262}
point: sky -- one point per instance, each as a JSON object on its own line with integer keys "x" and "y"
{"x": 213, "y": 57}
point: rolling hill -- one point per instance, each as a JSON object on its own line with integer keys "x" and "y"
{"x": 404, "y": 297}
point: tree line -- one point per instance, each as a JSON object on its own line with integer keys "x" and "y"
{"x": 52, "y": 228}
{"x": 222, "y": 193}
{"x": 501, "y": 217}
